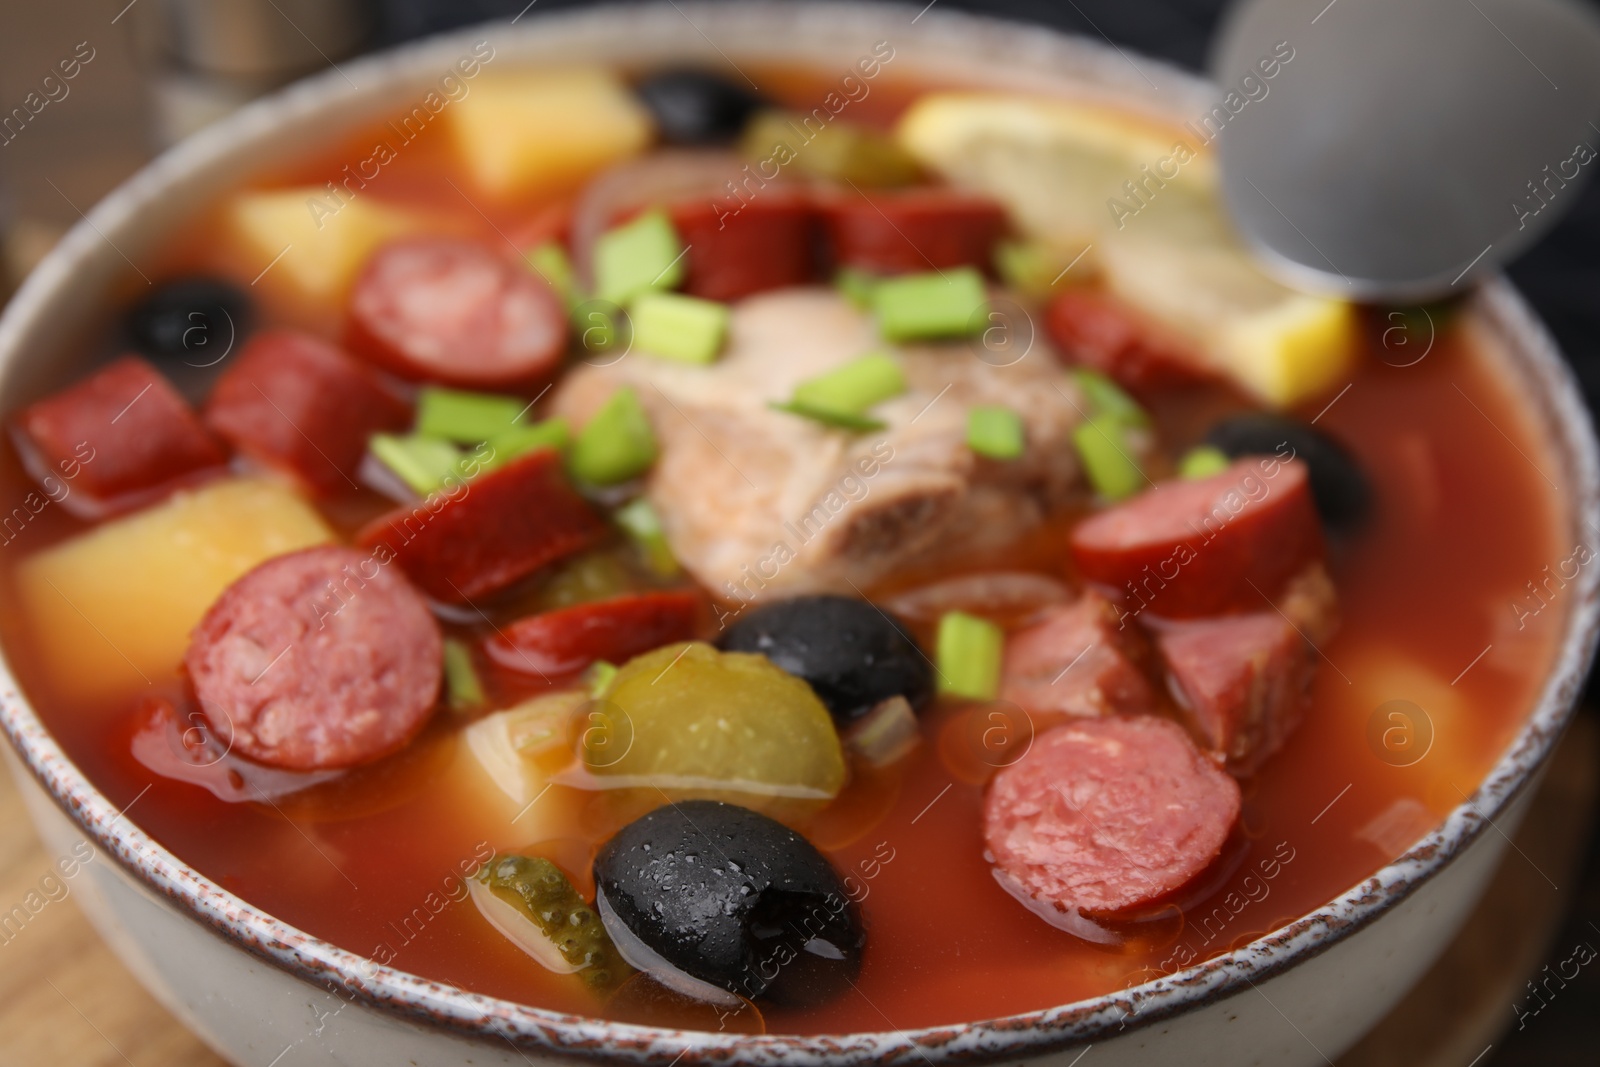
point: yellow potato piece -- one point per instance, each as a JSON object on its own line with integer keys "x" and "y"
{"x": 111, "y": 610}
{"x": 546, "y": 131}
{"x": 322, "y": 241}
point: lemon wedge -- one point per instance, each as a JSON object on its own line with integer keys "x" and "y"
{"x": 1142, "y": 198}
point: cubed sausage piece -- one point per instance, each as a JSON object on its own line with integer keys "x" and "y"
{"x": 1107, "y": 815}
{"x": 297, "y": 403}
{"x": 1243, "y": 679}
{"x": 1078, "y": 659}
{"x": 443, "y": 309}
{"x": 615, "y": 630}
{"x": 485, "y": 534}
{"x": 1185, "y": 549}
{"x": 119, "y": 439}
{"x": 318, "y": 659}
{"x": 1099, "y": 331}
{"x": 913, "y": 230}
{"x": 768, "y": 243}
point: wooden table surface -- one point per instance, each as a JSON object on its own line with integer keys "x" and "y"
{"x": 66, "y": 1000}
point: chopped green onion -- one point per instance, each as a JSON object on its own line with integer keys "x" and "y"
{"x": 995, "y": 432}
{"x": 677, "y": 327}
{"x": 520, "y": 440}
{"x": 969, "y": 650}
{"x": 857, "y": 286}
{"x": 1106, "y": 397}
{"x": 853, "y": 387}
{"x": 423, "y": 463}
{"x": 550, "y": 262}
{"x": 938, "y": 304}
{"x": 843, "y": 420}
{"x": 1034, "y": 269}
{"x": 1203, "y": 462}
{"x": 598, "y": 678}
{"x": 643, "y": 254}
{"x": 1103, "y": 446}
{"x": 461, "y": 685}
{"x": 466, "y": 418}
{"x": 615, "y": 445}
{"x": 642, "y": 523}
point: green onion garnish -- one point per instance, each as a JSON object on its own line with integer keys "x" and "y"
{"x": 857, "y": 286}
{"x": 677, "y": 327}
{"x": 1106, "y": 397}
{"x": 938, "y": 304}
{"x": 597, "y": 679}
{"x": 1203, "y": 462}
{"x": 642, "y": 523}
{"x": 615, "y": 445}
{"x": 466, "y": 418}
{"x": 643, "y": 254}
{"x": 843, "y": 420}
{"x": 853, "y": 387}
{"x": 423, "y": 463}
{"x": 1104, "y": 448}
{"x": 995, "y": 432}
{"x": 461, "y": 685}
{"x": 520, "y": 440}
{"x": 969, "y": 650}
{"x": 550, "y": 262}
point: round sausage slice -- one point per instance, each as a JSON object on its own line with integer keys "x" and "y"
{"x": 444, "y": 309}
{"x": 1105, "y": 815}
{"x": 319, "y": 659}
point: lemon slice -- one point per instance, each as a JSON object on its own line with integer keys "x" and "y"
{"x": 1143, "y": 199}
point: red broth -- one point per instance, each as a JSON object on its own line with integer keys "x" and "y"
{"x": 1437, "y": 609}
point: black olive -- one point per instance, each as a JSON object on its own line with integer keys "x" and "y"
{"x": 1340, "y": 488}
{"x": 729, "y": 898}
{"x": 197, "y": 320}
{"x": 851, "y": 652}
{"x": 692, "y": 107}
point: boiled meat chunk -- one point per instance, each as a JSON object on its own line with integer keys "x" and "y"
{"x": 758, "y": 503}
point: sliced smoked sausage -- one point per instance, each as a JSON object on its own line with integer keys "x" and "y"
{"x": 738, "y": 248}
{"x": 1078, "y": 659}
{"x": 297, "y": 403}
{"x": 1190, "y": 548}
{"x": 615, "y": 630}
{"x": 318, "y": 659}
{"x": 117, "y": 440}
{"x": 913, "y": 230}
{"x": 1106, "y": 815}
{"x": 449, "y": 310}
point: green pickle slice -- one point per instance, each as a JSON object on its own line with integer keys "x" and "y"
{"x": 701, "y": 722}
{"x": 541, "y": 893}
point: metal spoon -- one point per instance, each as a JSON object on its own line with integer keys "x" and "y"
{"x": 1403, "y": 148}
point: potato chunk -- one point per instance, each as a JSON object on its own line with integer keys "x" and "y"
{"x": 546, "y": 131}
{"x": 111, "y": 609}
{"x": 323, "y": 241}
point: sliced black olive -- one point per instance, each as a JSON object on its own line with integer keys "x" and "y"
{"x": 1340, "y": 488}
{"x": 197, "y": 320}
{"x": 731, "y": 899}
{"x": 692, "y": 107}
{"x": 850, "y": 651}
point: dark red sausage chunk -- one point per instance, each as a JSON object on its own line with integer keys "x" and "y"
{"x": 913, "y": 230}
{"x": 447, "y": 310}
{"x": 297, "y": 403}
{"x": 1192, "y": 548}
{"x": 735, "y": 251}
{"x": 487, "y": 533}
{"x": 559, "y": 642}
{"x": 1101, "y": 332}
{"x": 117, "y": 440}
{"x": 1106, "y": 815}
{"x": 318, "y": 659}
{"x": 1243, "y": 679}
{"x": 1078, "y": 660}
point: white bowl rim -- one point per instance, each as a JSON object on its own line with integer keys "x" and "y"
{"x": 1531, "y": 353}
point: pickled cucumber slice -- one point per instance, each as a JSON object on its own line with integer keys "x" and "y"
{"x": 703, "y": 720}
{"x": 546, "y": 918}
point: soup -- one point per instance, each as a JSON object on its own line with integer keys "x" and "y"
{"x": 1001, "y": 589}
